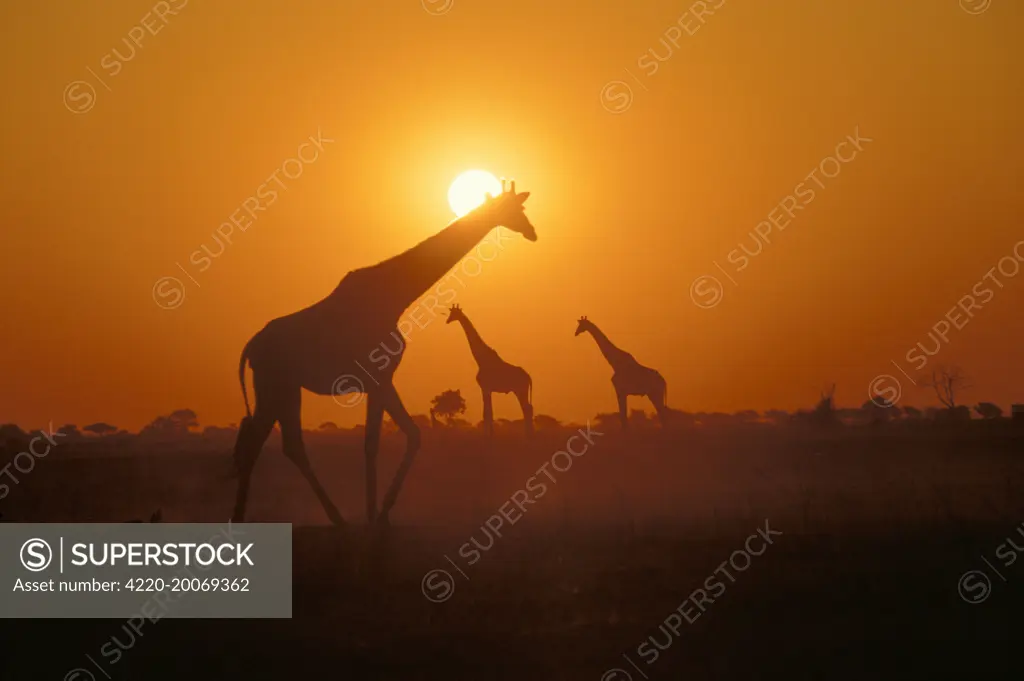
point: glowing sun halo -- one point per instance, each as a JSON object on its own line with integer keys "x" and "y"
{"x": 469, "y": 190}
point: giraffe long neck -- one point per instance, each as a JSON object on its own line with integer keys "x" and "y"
{"x": 482, "y": 352}
{"x": 614, "y": 355}
{"x": 407, "y": 276}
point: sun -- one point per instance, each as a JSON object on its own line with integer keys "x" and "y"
{"x": 469, "y": 190}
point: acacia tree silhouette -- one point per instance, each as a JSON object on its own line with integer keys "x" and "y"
{"x": 448, "y": 405}
{"x": 177, "y": 423}
{"x": 99, "y": 429}
{"x": 988, "y": 410}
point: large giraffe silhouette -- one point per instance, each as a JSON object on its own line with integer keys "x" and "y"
{"x": 334, "y": 347}
{"x": 629, "y": 377}
{"x": 495, "y": 375}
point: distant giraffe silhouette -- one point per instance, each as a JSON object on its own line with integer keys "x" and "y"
{"x": 325, "y": 348}
{"x": 629, "y": 377}
{"x": 495, "y": 375}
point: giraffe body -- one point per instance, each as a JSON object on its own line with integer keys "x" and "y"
{"x": 327, "y": 340}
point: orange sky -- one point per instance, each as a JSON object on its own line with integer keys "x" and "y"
{"x": 630, "y": 207}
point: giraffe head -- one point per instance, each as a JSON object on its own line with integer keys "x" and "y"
{"x": 506, "y": 210}
{"x": 455, "y": 314}
{"x": 584, "y": 324}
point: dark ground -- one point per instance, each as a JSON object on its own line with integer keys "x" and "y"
{"x": 878, "y": 526}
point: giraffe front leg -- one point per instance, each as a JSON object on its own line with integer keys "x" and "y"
{"x": 524, "y": 403}
{"x": 371, "y": 444}
{"x": 623, "y": 416}
{"x": 488, "y": 412}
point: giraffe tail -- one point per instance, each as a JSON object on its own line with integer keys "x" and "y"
{"x": 241, "y": 377}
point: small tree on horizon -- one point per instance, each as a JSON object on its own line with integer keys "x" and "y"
{"x": 448, "y": 405}
{"x": 545, "y": 422}
{"x": 179, "y": 422}
{"x": 70, "y": 430}
{"x": 947, "y": 382}
{"x": 988, "y": 410}
{"x": 11, "y": 432}
{"x": 99, "y": 429}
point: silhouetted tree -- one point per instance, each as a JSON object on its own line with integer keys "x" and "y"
{"x": 185, "y": 419}
{"x": 178, "y": 423}
{"x": 988, "y": 410}
{"x": 100, "y": 429}
{"x": 747, "y": 416}
{"x": 10, "y": 431}
{"x": 448, "y": 405}
{"x": 70, "y": 431}
{"x": 545, "y": 422}
{"x": 947, "y": 383}
{"x": 328, "y": 425}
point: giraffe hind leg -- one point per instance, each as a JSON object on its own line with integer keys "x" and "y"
{"x": 659, "y": 406}
{"x": 295, "y": 449}
{"x": 252, "y": 434}
{"x": 371, "y": 445}
{"x": 393, "y": 405}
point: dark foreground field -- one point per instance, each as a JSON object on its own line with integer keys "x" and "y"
{"x": 864, "y": 582}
